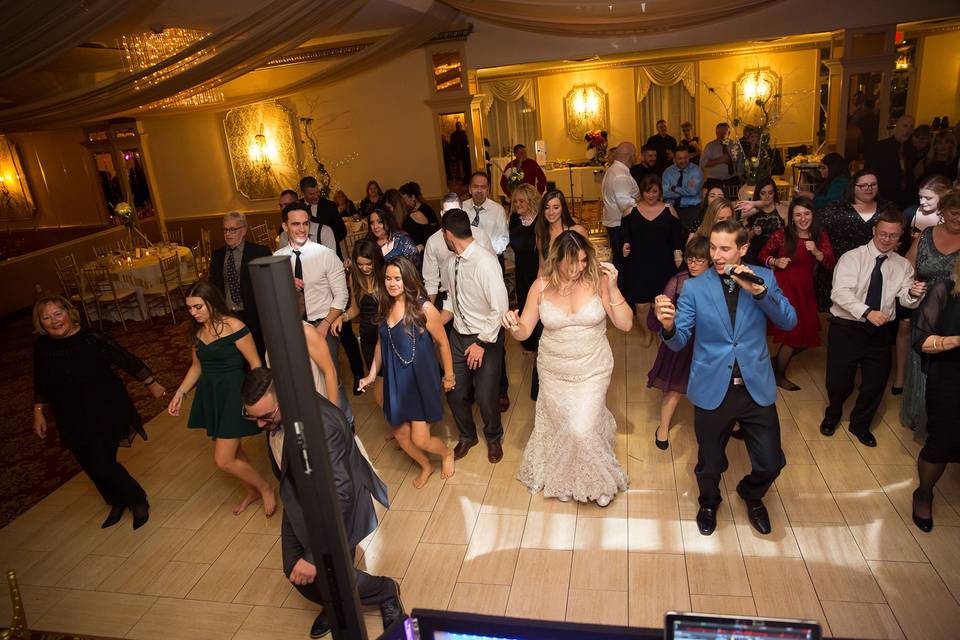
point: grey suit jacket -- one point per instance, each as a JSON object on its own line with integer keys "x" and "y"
{"x": 355, "y": 481}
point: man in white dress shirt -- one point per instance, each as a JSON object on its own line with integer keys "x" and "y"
{"x": 318, "y": 274}
{"x": 485, "y": 213}
{"x": 477, "y": 300}
{"x": 867, "y": 283}
{"x": 436, "y": 255}
{"x": 490, "y": 216}
{"x": 620, "y": 193}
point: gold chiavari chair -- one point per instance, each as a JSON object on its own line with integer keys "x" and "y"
{"x": 731, "y": 192}
{"x": 71, "y": 280}
{"x": 173, "y": 235}
{"x": 106, "y": 293}
{"x": 261, "y": 235}
{"x": 101, "y": 252}
{"x": 160, "y": 294}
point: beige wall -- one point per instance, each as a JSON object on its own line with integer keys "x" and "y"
{"x": 798, "y": 72}
{"x": 62, "y": 180}
{"x": 619, "y": 86}
{"x": 939, "y": 79}
{"x": 379, "y": 115}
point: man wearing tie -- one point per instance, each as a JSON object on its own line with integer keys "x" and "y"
{"x": 867, "y": 283}
{"x": 318, "y": 274}
{"x": 476, "y": 301}
{"x": 731, "y": 378}
{"x": 323, "y": 213}
{"x": 230, "y": 272}
{"x": 682, "y": 184}
{"x": 490, "y": 216}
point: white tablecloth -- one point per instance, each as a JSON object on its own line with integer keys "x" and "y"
{"x": 130, "y": 272}
{"x": 577, "y": 182}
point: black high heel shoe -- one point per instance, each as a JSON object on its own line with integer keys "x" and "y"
{"x": 663, "y": 445}
{"x": 924, "y": 524}
{"x": 141, "y": 513}
{"x": 116, "y": 512}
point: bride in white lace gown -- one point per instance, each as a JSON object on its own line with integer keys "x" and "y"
{"x": 570, "y": 454}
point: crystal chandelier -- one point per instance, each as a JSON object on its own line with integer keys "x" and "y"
{"x": 143, "y": 50}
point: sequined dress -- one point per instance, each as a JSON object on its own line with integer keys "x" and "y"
{"x": 571, "y": 450}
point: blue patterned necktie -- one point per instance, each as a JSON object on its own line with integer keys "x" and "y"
{"x": 233, "y": 278}
{"x": 476, "y": 218}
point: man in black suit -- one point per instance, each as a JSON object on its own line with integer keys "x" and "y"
{"x": 324, "y": 212}
{"x": 357, "y": 485}
{"x": 665, "y": 144}
{"x": 230, "y": 272}
{"x": 892, "y": 162}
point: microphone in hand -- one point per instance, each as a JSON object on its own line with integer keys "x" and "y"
{"x": 746, "y": 276}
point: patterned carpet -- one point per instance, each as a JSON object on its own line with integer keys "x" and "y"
{"x": 34, "y": 468}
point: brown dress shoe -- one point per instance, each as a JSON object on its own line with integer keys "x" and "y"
{"x": 504, "y": 403}
{"x": 462, "y": 448}
{"x": 494, "y": 452}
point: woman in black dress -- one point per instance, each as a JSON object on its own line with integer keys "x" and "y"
{"x": 421, "y": 220}
{"x": 366, "y": 289}
{"x": 373, "y": 199}
{"x": 524, "y": 206}
{"x": 849, "y": 223}
{"x": 653, "y": 241}
{"x": 762, "y": 216}
{"x": 936, "y": 335}
{"x": 345, "y": 206}
{"x": 72, "y": 377}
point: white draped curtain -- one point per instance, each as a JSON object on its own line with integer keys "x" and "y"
{"x": 510, "y": 114}
{"x": 666, "y": 92}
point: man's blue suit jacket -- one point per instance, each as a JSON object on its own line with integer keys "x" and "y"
{"x": 717, "y": 345}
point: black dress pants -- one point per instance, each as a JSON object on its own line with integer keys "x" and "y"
{"x": 98, "y": 459}
{"x": 761, "y": 434}
{"x": 351, "y": 346}
{"x": 850, "y": 346}
{"x": 480, "y": 385}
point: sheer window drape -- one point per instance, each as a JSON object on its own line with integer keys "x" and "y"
{"x": 510, "y": 112}
{"x": 666, "y": 92}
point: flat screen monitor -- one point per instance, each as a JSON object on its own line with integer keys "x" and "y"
{"x": 689, "y": 626}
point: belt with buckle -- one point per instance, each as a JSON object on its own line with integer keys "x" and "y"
{"x": 736, "y": 382}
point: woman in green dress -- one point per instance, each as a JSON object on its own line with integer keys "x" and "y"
{"x": 221, "y": 343}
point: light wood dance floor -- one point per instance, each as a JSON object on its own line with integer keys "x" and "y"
{"x": 843, "y": 549}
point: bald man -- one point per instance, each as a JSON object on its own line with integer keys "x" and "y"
{"x": 620, "y": 193}
{"x": 892, "y": 161}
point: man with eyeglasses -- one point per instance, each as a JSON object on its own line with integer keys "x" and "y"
{"x": 230, "y": 272}
{"x": 357, "y": 486}
{"x": 867, "y": 283}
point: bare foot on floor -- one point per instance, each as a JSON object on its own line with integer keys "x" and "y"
{"x": 423, "y": 477}
{"x": 269, "y": 502}
{"x": 447, "y": 469}
{"x": 251, "y": 496}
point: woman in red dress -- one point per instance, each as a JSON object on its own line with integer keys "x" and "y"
{"x": 794, "y": 253}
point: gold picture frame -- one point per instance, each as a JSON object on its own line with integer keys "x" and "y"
{"x": 586, "y": 107}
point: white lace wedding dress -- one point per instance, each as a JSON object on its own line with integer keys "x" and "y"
{"x": 571, "y": 450}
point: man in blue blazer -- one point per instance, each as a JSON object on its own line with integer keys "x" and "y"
{"x": 731, "y": 378}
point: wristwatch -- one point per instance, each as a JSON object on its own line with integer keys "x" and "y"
{"x": 483, "y": 345}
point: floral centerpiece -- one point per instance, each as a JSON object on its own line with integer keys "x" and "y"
{"x": 514, "y": 177}
{"x": 596, "y": 146}
{"x": 758, "y": 162}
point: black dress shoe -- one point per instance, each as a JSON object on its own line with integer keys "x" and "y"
{"x": 707, "y": 520}
{"x": 494, "y": 452}
{"x": 866, "y": 438}
{"x": 827, "y": 427}
{"x": 392, "y": 609}
{"x": 462, "y": 448}
{"x": 320, "y": 626}
{"x": 737, "y": 433}
{"x": 504, "y": 403}
{"x": 141, "y": 513}
{"x": 759, "y": 518}
{"x": 116, "y": 512}
{"x": 924, "y": 524}
{"x": 896, "y": 391}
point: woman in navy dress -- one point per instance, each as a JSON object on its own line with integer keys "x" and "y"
{"x": 410, "y": 326}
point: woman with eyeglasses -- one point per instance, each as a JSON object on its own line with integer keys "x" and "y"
{"x": 849, "y": 223}
{"x": 221, "y": 343}
{"x": 671, "y": 369}
{"x": 793, "y": 253}
{"x": 73, "y": 380}
{"x": 933, "y": 254}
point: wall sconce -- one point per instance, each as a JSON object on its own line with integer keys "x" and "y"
{"x": 585, "y": 109}
{"x": 262, "y": 151}
{"x": 16, "y": 201}
{"x": 756, "y": 92}
{"x": 264, "y": 148}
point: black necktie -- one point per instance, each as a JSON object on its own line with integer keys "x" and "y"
{"x": 298, "y": 267}
{"x": 476, "y": 218}
{"x": 875, "y": 290}
{"x": 233, "y": 279}
{"x": 680, "y": 179}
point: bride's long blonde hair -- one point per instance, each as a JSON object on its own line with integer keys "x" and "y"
{"x": 568, "y": 246}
